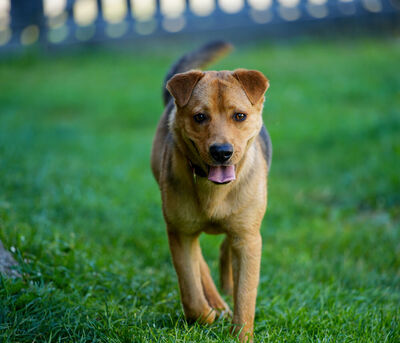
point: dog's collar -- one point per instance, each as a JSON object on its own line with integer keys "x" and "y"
{"x": 196, "y": 170}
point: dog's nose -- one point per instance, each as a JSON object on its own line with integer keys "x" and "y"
{"x": 221, "y": 152}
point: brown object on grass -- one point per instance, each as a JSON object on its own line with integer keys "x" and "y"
{"x": 7, "y": 263}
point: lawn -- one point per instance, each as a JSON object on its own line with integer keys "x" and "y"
{"x": 82, "y": 214}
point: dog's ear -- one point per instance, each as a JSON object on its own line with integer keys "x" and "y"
{"x": 254, "y": 83}
{"x": 181, "y": 86}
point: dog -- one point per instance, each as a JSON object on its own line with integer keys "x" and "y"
{"x": 210, "y": 157}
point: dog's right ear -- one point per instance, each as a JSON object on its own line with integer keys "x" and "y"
{"x": 181, "y": 86}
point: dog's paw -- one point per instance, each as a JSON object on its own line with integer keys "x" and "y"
{"x": 206, "y": 316}
{"x": 245, "y": 335}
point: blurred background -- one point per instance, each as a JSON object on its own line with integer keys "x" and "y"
{"x": 80, "y": 98}
{"x": 59, "y": 22}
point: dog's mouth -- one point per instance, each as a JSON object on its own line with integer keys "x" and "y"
{"x": 218, "y": 174}
{"x": 221, "y": 174}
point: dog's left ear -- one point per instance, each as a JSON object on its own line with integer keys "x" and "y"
{"x": 181, "y": 86}
{"x": 254, "y": 83}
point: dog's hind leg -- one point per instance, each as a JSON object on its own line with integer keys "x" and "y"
{"x": 185, "y": 250}
{"x": 210, "y": 290}
{"x": 225, "y": 268}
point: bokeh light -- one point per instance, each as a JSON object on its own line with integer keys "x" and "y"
{"x": 260, "y": 5}
{"x": 173, "y": 24}
{"x": 289, "y": 13}
{"x": 5, "y": 20}
{"x": 372, "y": 5}
{"x": 58, "y": 34}
{"x": 143, "y": 10}
{"x": 30, "y": 35}
{"x": 146, "y": 27}
{"x": 289, "y": 3}
{"x": 114, "y": 11}
{"x": 117, "y": 30}
{"x": 85, "y": 33}
{"x": 317, "y": 8}
{"x": 231, "y": 6}
{"x": 202, "y": 7}
{"x": 5, "y": 36}
{"x": 261, "y": 17}
{"x": 53, "y": 8}
{"x": 172, "y": 8}
{"x": 317, "y": 2}
{"x": 85, "y": 12}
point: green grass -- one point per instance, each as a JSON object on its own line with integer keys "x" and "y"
{"x": 79, "y": 204}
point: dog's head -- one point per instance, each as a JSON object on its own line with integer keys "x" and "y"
{"x": 218, "y": 116}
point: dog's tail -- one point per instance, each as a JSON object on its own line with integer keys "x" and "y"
{"x": 195, "y": 60}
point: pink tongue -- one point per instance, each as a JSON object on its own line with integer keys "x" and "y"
{"x": 222, "y": 174}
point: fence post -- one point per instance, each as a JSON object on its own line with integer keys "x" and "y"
{"x": 25, "y": 13}
{"x": 128, "y": 9}
{"x": 100, "y": 10}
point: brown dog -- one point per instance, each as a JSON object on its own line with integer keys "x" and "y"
{"x": 211, "y": 156}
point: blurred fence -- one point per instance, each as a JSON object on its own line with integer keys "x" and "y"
{"x": 57, "y": 22}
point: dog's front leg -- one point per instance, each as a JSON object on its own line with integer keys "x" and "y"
{"x": 246, "y": 257}
{"x": 225, "y": 267}
{"x": 185, "y": 251}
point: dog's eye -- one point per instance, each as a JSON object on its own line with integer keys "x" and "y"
{"x": 200, "y": 117}
{"x": 239, "y": 116}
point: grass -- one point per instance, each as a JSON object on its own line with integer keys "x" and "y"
{"x": 79, "y": 206}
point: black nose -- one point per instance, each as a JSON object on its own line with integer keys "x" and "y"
{"x": 221, "y": 152}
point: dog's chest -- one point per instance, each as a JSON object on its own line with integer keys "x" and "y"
{"x": 215, "y": 203}
{"x": 216, "y": 209}
{"x": 198, "y": 209}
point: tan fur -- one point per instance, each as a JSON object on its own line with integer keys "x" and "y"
{"x": 192, "y": 205}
